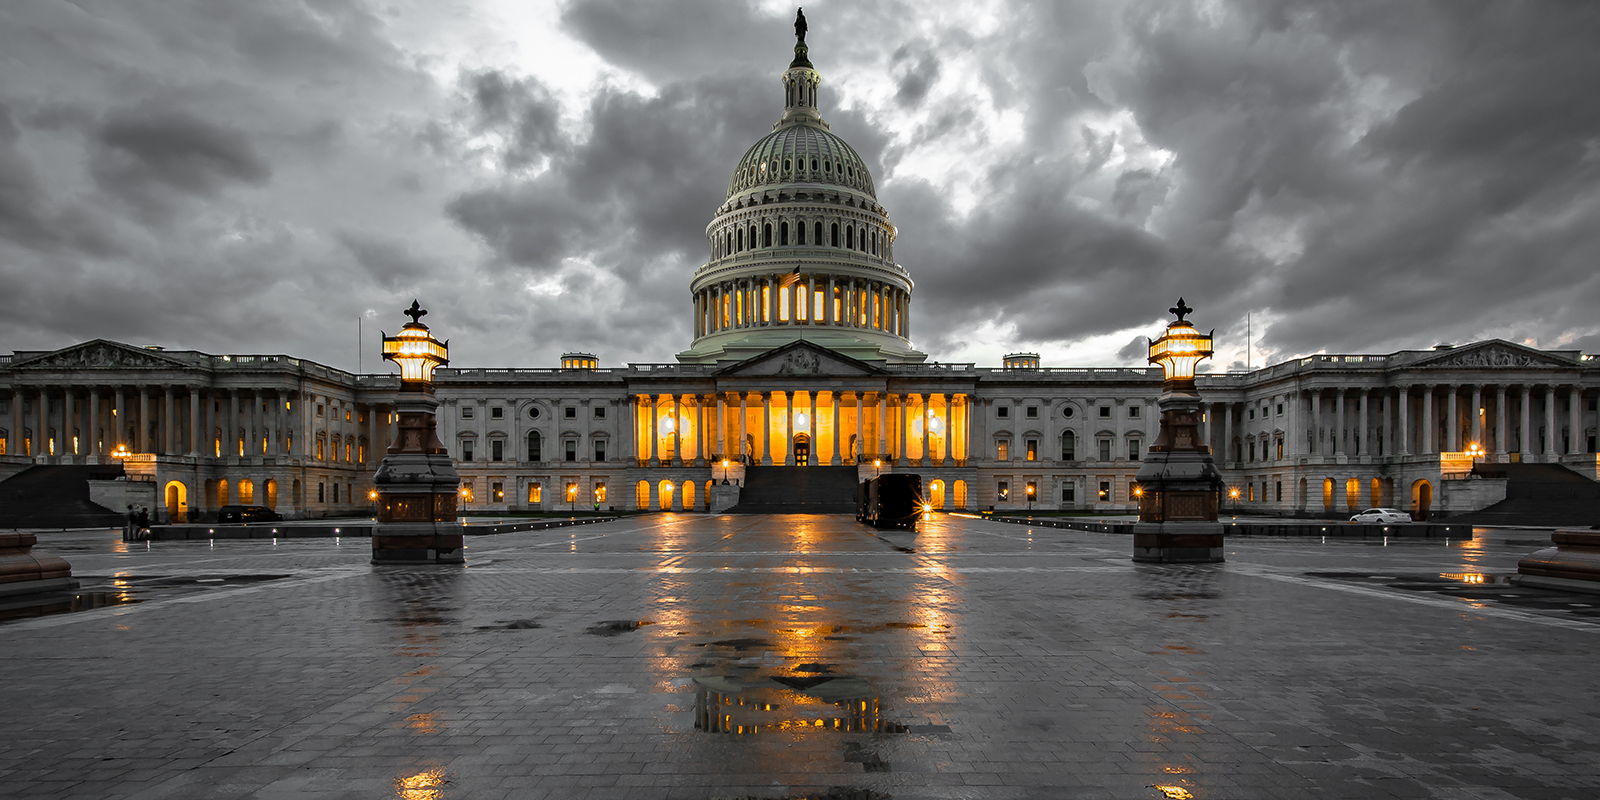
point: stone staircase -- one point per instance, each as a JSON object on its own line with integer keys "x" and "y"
{"x": 797, "y": 490}
{"x": 56, "y": 497}
{"x": 1544, "y": 495}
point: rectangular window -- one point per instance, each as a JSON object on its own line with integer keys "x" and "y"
{"x": 498, "y": 491}
{"x": 838, "y": 305}
{"x": 466, "y": 412}
{"x": 571, "y": 412}
{"x": 1252, "y": 413}
{"x": 1033, "y": 412}
{"x": 1134, "y": 411}
{"x": 319, "y": 450}
{"x": 1280, "y": 449}
{"x": 466, "y": 491}
{"x": 466, "y": 450}
{"x": 1280, "y": 409}
{"x": 599, "y": 412}
{"x": 1032, "y": 488}
{"x": 572, "y": 449}
{"x": 1002, "y": 450}
{"x": 766, "y": 303}
{"x": 496, "y": 412}
{"x": 1134, "y": 449}
{"x": 802, "y": 309}
{"x": 535, "y": 494}
{"x": 1003, "y": 412}
{"x": 1003, "y": 491}
{"x": 816, "y": 302}
{"x": 319, "y": 409}
{"x": 1033, "y": 449}
{"x": 1280, "y": 491}
{"x": 1105, "y": 491}
{"x": 1250, "y": 493}
{"x": 599, "y": 494}
{"x": 1069, "y": 492}
{"x": 497, "y": 450}
{"x": 599, "y": 449}
{"x": 783, "y": 304}
{"x": 322, "y": 496}
{"x": 335, "y": 493}
{"x": 347, "y": 415}
{"x": 1105, "y": 412}
{"x": 1105, "y": 449}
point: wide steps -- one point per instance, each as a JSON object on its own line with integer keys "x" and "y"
{"x": 797, "y": 490}
{"x": 1542, "y": 495}
{"x": 56, "y": 497}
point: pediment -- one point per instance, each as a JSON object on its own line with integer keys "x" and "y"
{"x": 1496, "y": 353}
{"x": 98, "y": 354}
{"x": 801, "y": 359}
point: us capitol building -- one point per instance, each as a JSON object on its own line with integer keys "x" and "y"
{"x": 802, "y": 357}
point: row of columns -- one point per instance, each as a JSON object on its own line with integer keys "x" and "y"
{"x": 711, "y": 432}
{"x": 169, "y": 420}
{"x": 1434, "y": 403}
{"x": 759, "y": 302}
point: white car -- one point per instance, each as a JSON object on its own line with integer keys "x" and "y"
{"x": 1382, "y": 516}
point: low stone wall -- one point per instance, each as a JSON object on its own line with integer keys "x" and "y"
{"x": 1264, "y": 528}
{"x": 301, "y": 530}
{"x": 117, "y": 495}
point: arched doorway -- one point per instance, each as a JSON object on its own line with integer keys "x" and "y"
{"x": 688, "y": 495}
{"x": 177, "y": 502}
{"x": 271, "y": 486}
{"x": 223, "y": 497}
{"x": 709, "y": 484}
{"x": 1421, "y": 500}
{"x": 936, "y": 494}
{"x": 1327, "y": 494}
{"x": 960, "y": 488}
{"x": 641, "y": 499}
{"x": 664, "y": 499}
{"x": 1375, "y": 493}
{"x": 802, "y": 450}
{"x": 1352, "y": 493}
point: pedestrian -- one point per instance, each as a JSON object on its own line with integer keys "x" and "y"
{"x": 128, "y": 522}
{"x": 143, "y": 521}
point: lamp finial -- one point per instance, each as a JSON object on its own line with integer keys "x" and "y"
{"x": 1181, "y": 309}
{"x": 416, "y": 312}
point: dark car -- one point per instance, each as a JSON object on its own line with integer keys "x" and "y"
{"x": 247, "y": 514}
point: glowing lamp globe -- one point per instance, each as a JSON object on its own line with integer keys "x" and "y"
{"x": 1180, "y": 347}
{"x": 415, "y": 349}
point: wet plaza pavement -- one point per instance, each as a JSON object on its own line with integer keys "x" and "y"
{"x": 670, "y": 656}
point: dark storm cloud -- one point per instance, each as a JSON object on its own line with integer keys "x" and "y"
{"x": 917, "y": 68}
{"x": 673, "y": 41}
{"x": 147, "y": 157}
{"x": 523, "y": 110}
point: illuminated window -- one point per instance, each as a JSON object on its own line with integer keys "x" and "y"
{"x": 817, "y": 304}
{"x": 1105, "y": 491}
{"x": 1032, "y": 489}
{"x": 319, "y": 450}
{"x": 572, "y": 492}
{"x": 1280, "y": 451}
{"x": 1002, "y": 450}
{"x": 766, "y": 302}
{"x": 1250, "y": 491}
{"x": 1003, "y": 491}
{"x": 838, "y": 305}
{"x": 600, "y": 492}
{"x": 535, "y": 493}
{"x": 801, "y": 307}
{"x": 498, "y": 491}
{"x": 347, "y": 452}
{"x": 362, "y": 453}
{"x": 247, "y": 492}
{"x": 466, "y": 491}
{"x": 1033, "y": 449}
{"x": 783, "y": 304}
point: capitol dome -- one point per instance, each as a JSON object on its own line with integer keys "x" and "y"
{"x": 800, "y": 247}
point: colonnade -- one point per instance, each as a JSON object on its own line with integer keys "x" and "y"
{"x": 1532, "y": 421}
{"x": 70, "y": 422}
{"x": 840, "y": 427}
{"x": 814, "y": 299}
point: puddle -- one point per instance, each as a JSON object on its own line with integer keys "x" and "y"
{"x": 616, "y": 626}
{"x": 740, "y": 644}
{"x": 751, "y": 705}
{"x": 1478, "y": 588}
{"x": 513, "y": 625}
{"x": 63, "y": 603}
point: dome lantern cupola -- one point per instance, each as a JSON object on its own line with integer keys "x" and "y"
{"x": 801, "y": 249}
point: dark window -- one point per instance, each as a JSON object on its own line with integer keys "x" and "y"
{"x": 1134, "y": 411}
{"x": 599, "y": 412}
{"x": 466, "y": 450}
{"x": 783, "y": 234}
{"x": 1105, "y": 412}
{"x": 741, "y": 240}
{"x": 818, "y": 231}
{"x": 835, "y": 234}
{"x": 1280, "y": 491}
{"x": 497, "y": 450}
{"x": 336, "y": 493}
{"x": 800, "y": 233}
{"x": 1003, "y": 412}
{"x": 571, "y": 412}
{"x": 533, "y": 412}
{"x": 1033, "y": 412}
{"x": 599, "y": 449}
{"x": 1105, "y": 449}
{"x": 572, "y": 449}
{"x": 1069, "y": 446}
{"x": 1068, "y": 412}
{"x": 533, "y": 446}
{"x": 322, "y": 488}
{"x": 1133, "y": 449}
{"x": 766, "y": 235}
{"x": 1069, "y": 492}
{"x": 466, "y": 412}
{"x": 496, "y": 412}
{"x": 849, "y": 237}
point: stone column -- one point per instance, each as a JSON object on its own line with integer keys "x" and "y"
{"x": 119, "y": 414}
{"x": 1227, "y": 435}
{"x": 230, "y": 429}
{"x": 766, "y": 426}
{"x": 788, "y": 427}
{"x": 1430, "y": 429}
{"x": 922, "y": 417}
{"x": 1316, "y": 424}
{"x": 650, "y": 427}
{"x": 41, "y": 429}
{"x": 744, "y": 416}
{"x": 1403, "y": 410}
{"x": 1500, "y": 449}
{"x": 167, "y": 445}
{"x": 722, "y": 423}
{"x": 883, "y": 424}
{"x": 94, "y": 424}
{"x": 833, "y": 401}
{"x": 144, "y": 420}
{"x": 1525, "y": 399}
{"x": 194, "y": 421}
{"x": 1452, "y": 443}
{"x": 811, "y": 425}
{"x": 861, "y": 412}
{"x": 949, "y": 432}
{"x": 1477, "y": 419}
{"x": 1575, "y": 421}
{"x": 903, "y": 458}
{"x": 1550, "y": 431}
{"x": 68, "y": 423}
{"x": 1364, "y": 437}
{"x": 677, "y": 429}
{"x": 827, "y": 314}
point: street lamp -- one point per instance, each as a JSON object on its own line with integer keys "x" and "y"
{"x": 1474, "y": 450}
{"x": 724, "y": 472}
{"x": 121, "y": 451}
{"x": 1031, "y": 489}
{"x": 1179, "y": 487}
{"x": 416, "y": 484}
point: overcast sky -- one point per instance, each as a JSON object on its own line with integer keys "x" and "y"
{"x": 256, "y": 175}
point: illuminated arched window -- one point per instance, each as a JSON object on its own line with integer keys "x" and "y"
{"x": 247, "y": 492}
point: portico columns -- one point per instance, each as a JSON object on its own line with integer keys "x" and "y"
{"x": 1452, "y": 439}
{"x": 743, "y": 416}
{"x": 650, "y": 417}
{"x": 144, "y": 419}
{"x": 194, "y": 420}
{"x": 1364, "y": 437}
{"x": 1404, "y": 409}
{"x": 722, "y": 425}
{"x": 1429, "y": 429}
{"x": 1336, "y": 431}
{"x": 945, "y": 449}
{"x": 119, "y": 416}
{"x": 883, "y": 421}
{"x": 94, "y": 424}
{"x": 1227, "y": 431}
{"x": 1316, "y": 424}
{"x": 1477, "y": 419}
{"x": 1575, "y": 422}
{"x": 41, "y": 431}
{"x": 812, "y": 426}
{"x": 167, "y": 445}
{"x": 677, "y": 428}
{"x": 1500, "y": 423}
{"x": 231, "y": 429}
{"x": 922, "y": 418}
{"x": 788, "y": 428}
{"x": 1550, "y": 431}
{"x": 833, "y": 400}
{"x": 861, "y": 442}
{"x": 1527, "y": 421}
{"x": 766, "y": 429}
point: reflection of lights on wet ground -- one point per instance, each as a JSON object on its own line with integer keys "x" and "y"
{"x": 423, "y": 723}
{"x": 1466, "y": 577}
{"x": 1175, "y": 792}
{"x": 421, "y": 786}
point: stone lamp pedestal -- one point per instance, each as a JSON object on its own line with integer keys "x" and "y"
{"x": 417, "y": 487}
{"x": 1179, "y": 488}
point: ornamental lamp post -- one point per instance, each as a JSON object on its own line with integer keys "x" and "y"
{"x": 416, "y": 484}
{"x": 1179, "y": 485}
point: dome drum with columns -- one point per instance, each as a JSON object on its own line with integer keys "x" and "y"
{"x": 801, "y": 249}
